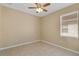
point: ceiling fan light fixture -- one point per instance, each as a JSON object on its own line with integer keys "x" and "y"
{"x": 39, "y": 10}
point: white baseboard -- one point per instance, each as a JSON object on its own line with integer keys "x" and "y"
{"x": 26, "y": 43}
{"x": 60, "y": 46}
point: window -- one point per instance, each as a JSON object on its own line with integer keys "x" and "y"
{"x": 69, "y": 25}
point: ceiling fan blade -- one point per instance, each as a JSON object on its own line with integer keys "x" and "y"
{"x": 45, "y": 10}
{"x": 32, "y": 7}
{"x": 38, "y": 5}
{"x": 45, "y": 5}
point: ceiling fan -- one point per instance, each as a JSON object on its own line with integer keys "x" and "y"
{"x": 39, "y": 7}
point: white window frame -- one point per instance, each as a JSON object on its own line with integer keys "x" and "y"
{"x": 67, "y": 15}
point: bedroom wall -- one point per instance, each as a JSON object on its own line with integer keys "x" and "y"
{"x": 50, "y": 29}
{"x": 18, "y": 27}
{"x": 0, "y": 25}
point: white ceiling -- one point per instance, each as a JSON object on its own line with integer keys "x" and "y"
{"x": 24, "y": 7}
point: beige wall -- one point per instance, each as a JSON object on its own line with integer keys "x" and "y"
{"x": 18, "y": 27}
{"x": 50, "y": 29}
{"x": 0, "y": 25}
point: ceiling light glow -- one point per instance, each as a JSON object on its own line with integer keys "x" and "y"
{"x": 39, "y": 10}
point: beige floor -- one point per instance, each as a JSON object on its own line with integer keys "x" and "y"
{"x": 37, "y": 49}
